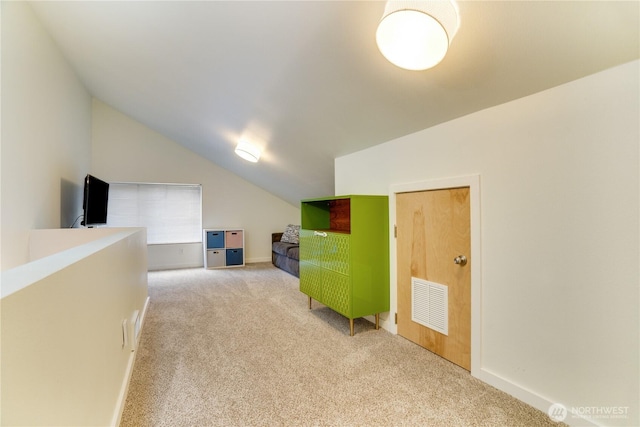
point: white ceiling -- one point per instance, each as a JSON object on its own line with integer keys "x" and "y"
{"x": 305, "y": 80}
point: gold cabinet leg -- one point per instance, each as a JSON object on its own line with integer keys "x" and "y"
{"x": 309, "y": 303}
{"x": 351, "y": 327}
{"x": 377, "y": 321}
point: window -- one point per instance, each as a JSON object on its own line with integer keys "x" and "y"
{"x": 172, "y": 213}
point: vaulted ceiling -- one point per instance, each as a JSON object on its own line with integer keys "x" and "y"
{"x": 304, "y": 79}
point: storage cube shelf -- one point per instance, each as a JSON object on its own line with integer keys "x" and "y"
{"x": 344, "y": 254}
{"x": 223, "y": 247}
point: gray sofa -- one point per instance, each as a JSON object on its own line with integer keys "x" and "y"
{"x": 284, "y": 255}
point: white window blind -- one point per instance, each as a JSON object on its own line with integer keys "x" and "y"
{"x": 172, "y": 213}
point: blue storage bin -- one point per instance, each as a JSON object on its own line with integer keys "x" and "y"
{"x": 234, "y": 257}
{"x": 215, "y": 239}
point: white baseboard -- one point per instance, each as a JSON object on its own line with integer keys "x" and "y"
{"x": 124, "y": 389}
{"x": 142, "y": 317}
{"x": 258, "y": 259}
{"x": 529, "y": 397}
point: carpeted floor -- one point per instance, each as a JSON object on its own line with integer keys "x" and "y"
{"x": 239, "y": 347}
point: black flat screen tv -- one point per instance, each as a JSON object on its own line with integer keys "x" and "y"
{"x": 95, "y": 201}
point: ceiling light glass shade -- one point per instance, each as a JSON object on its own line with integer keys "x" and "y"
{"x": 248, "y": 151}
{"x": 416, "y": 35}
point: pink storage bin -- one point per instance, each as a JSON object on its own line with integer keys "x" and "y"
{"x": 234, "y": 239}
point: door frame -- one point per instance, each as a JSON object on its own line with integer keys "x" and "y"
{"x": 473, "y": 182}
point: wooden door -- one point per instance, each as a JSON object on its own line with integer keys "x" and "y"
{"x": 433, "y": 229}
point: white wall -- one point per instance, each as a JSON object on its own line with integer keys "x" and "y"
{"x": 560, "y": 234}
{"x": 46, "y": 133}
{"x": 125, "y": 150}
{"x": 63, "y": 360}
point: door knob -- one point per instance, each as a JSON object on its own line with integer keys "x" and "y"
{"x": 461, "y": 260}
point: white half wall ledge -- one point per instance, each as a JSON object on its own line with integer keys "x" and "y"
{"x": 45, "y": 242}
{"x": 52, "y": 250}
{"x": 85, "y": 292}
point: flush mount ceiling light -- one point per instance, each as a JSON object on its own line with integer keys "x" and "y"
{"x": 415, "y": 35}
{"x": 248, "y": 151}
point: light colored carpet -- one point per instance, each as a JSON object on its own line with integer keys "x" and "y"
{"x": 239, "y": 347}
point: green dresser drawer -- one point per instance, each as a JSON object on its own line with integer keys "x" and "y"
{"x": 336, "y": 254}
{"x": 311, "y": 247}
{"x": 311, "y": 280}
{"x": 336, "y": 292}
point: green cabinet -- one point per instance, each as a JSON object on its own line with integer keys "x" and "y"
{"x": 344, "y": 254}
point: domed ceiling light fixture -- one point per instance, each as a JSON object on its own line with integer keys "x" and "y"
{"x": 248, "y": 151}
{"x": 415, "y": 35}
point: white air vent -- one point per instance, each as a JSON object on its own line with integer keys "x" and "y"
{"x": 430, "y": 305}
